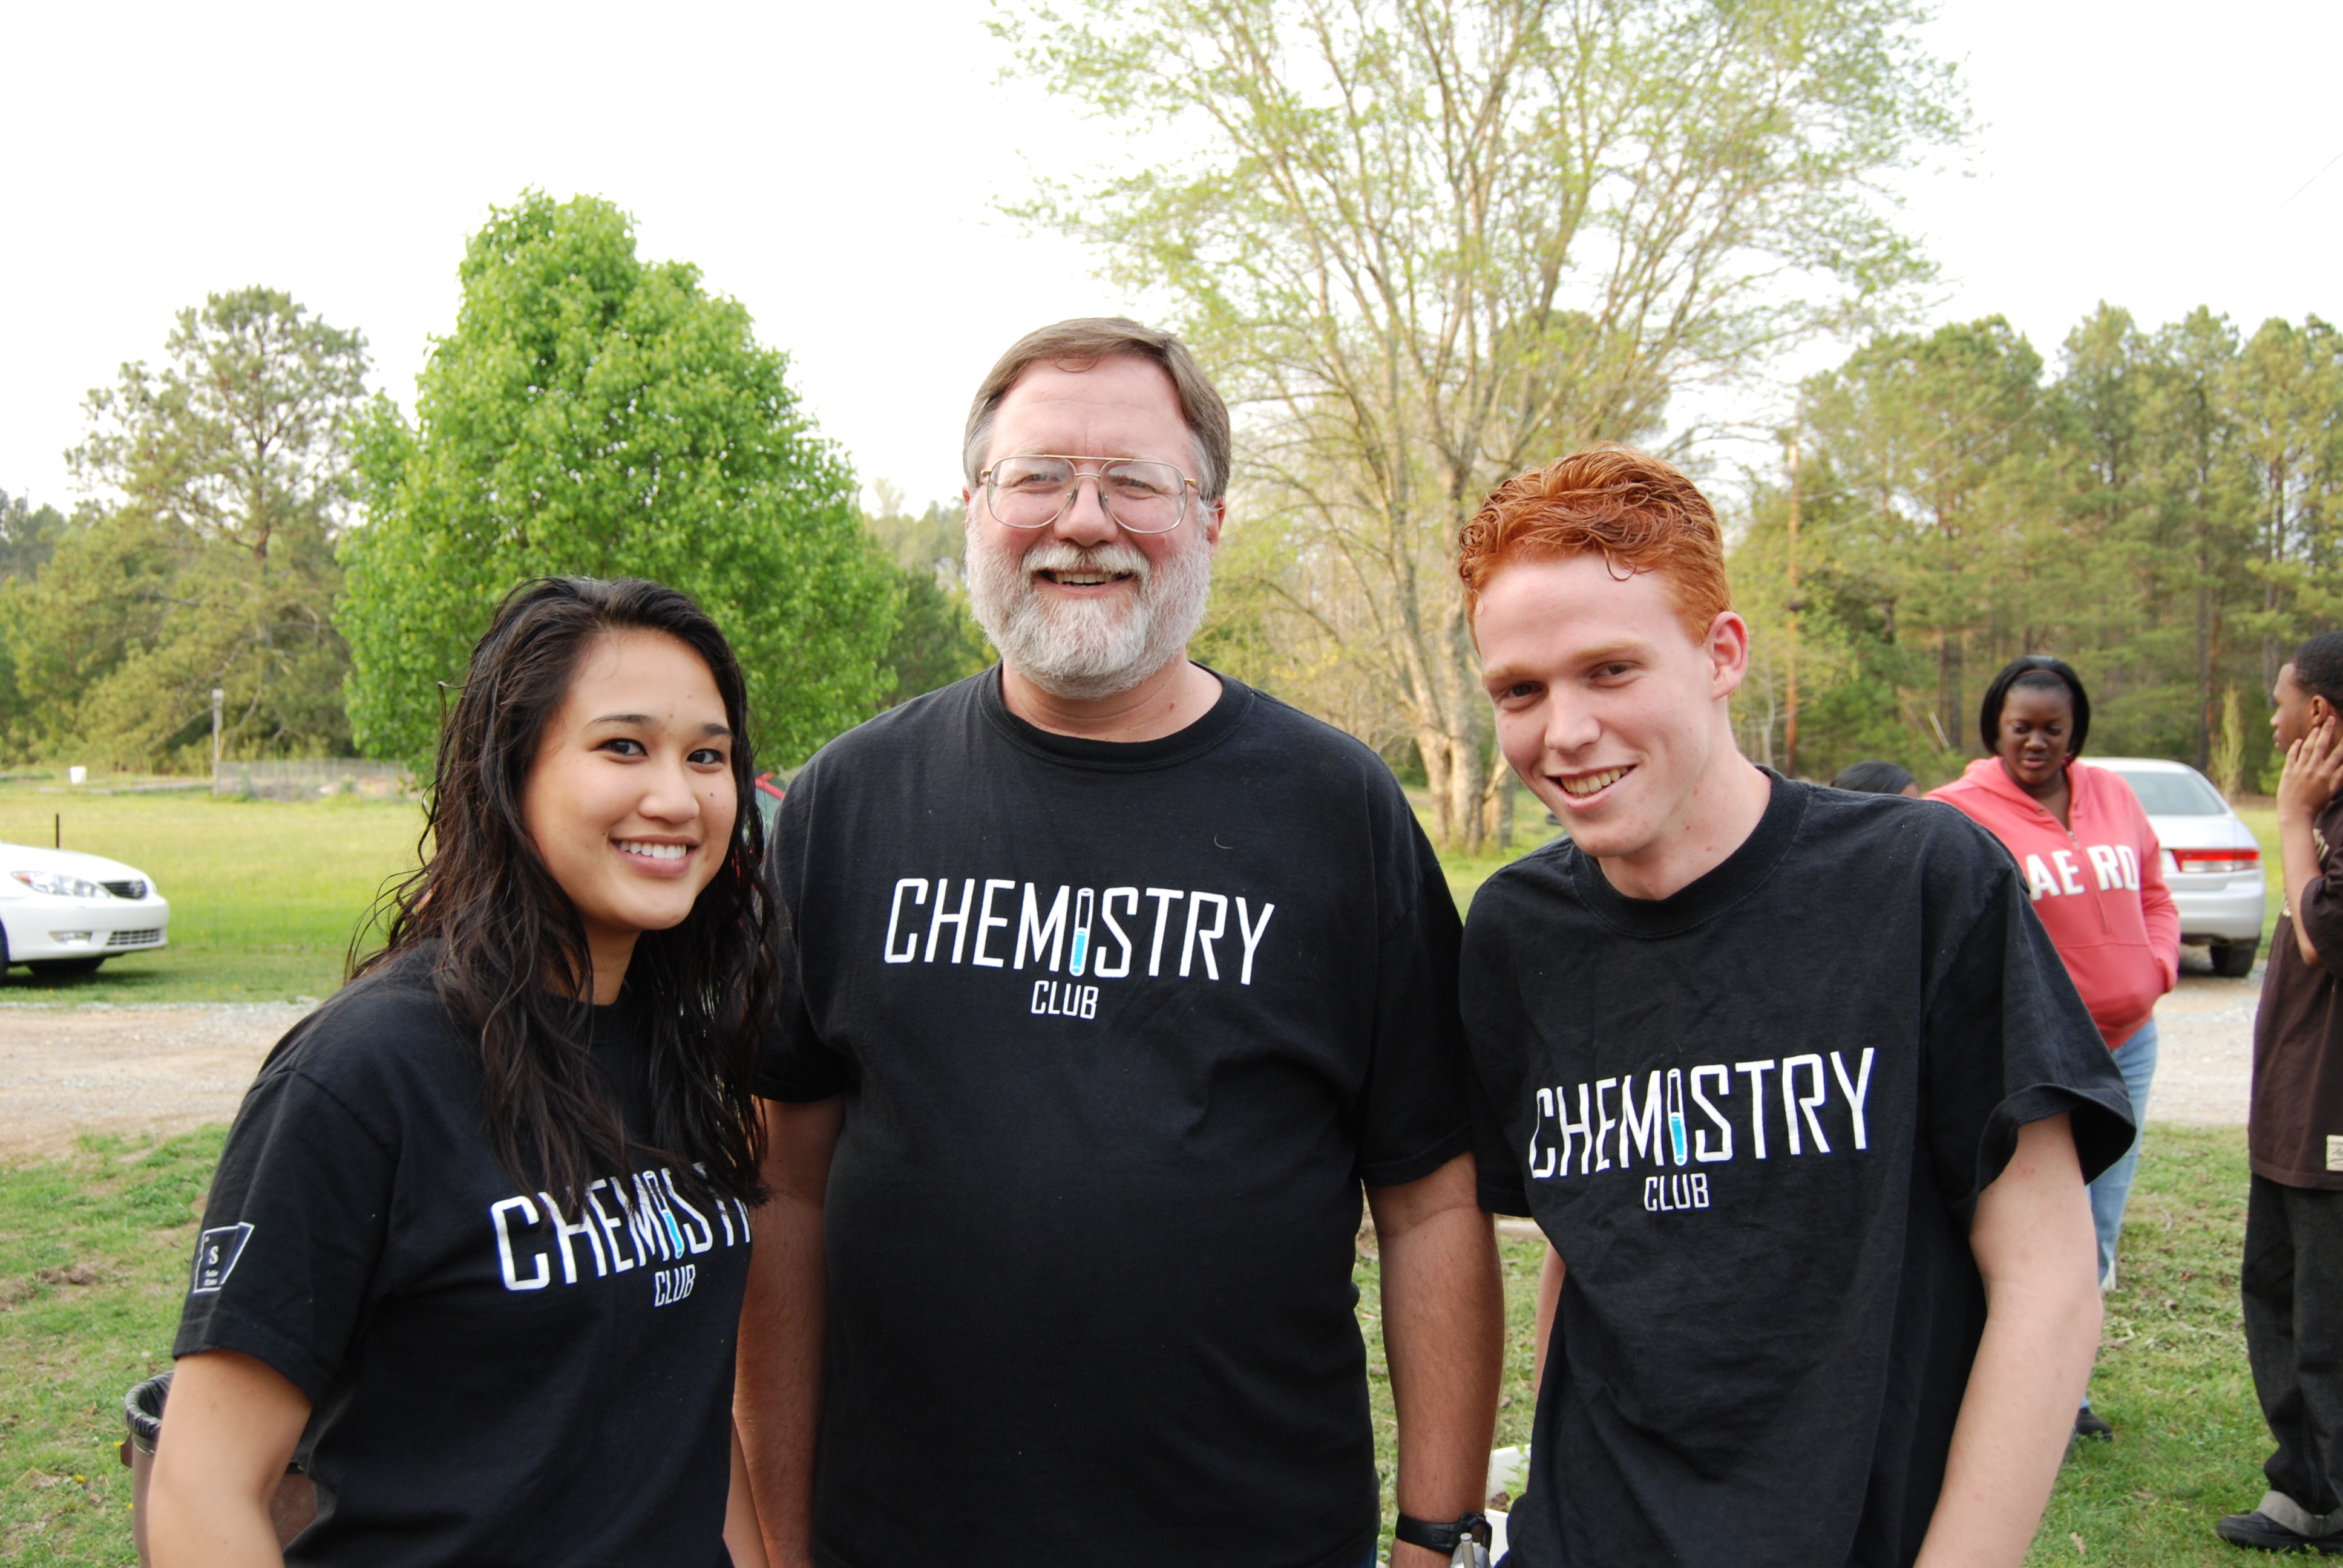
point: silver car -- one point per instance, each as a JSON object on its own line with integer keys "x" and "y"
{"x": 2212, "y": 861}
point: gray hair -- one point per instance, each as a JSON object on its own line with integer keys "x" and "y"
{"x": 1084, "y": 341}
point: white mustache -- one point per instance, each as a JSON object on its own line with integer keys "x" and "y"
{"x": 1058, "y": 556}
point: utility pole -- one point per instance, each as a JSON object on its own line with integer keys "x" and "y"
{"x": 1795, "y": 604}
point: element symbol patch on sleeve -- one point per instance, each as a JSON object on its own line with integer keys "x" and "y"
{"x": 216, "y": 1252}
{"x": 2333, "y": 1152}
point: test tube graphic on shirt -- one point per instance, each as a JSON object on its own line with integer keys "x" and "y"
{"x": 1676, "y": 1114}
{"x": 1082, "y": 930}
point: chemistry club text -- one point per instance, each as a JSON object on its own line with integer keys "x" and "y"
{"x": 655, "y": 1224}
{"x": 1078, "y": 934}
{"x": 1818, "y": 1103}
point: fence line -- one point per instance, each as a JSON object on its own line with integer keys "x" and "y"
{"x": 313, "y": 777}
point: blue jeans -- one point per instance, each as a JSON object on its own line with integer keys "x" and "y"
{"x": 2136, "y": 1059}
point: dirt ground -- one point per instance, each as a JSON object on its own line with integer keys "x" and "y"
{"x": 97, "y": 1068}
{"x": 2205, "y": 1047}
{"x": 160, "y": 1069}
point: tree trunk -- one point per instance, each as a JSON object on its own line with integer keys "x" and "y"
{"x": 1948, "y": 687}
{"x": 1431, "y": 748}
{"x": 1457, "y": 798}
{"x": 2204, "y": 665}
{"x": 1497, "y": 804}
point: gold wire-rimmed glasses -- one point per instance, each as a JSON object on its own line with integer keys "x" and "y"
{"x": 1034, "y": 489}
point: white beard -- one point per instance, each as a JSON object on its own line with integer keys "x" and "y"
{"x": 1084, "y": 650}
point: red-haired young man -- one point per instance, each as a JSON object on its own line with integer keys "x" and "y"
{"x": 1790, "y": 1077}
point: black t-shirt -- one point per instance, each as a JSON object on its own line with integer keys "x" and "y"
{"x": 493, "y": 1382}
{"x": 1754, "y": 1118}
{"x": 1121, "y": 1030}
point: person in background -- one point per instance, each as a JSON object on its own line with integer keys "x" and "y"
{"x": 1792, "y": 1084}
{"x": 2292, "y": 1279}
{"x": 2094, "y": 872}
{"x": 476, "y": 1247}
{"x": 1877, "y": 778}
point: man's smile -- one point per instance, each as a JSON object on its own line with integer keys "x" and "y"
{"x": 1083, "y": 579}
{"x": 1586, "y": 785}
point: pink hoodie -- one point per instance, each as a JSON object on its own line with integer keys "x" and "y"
{"x": 2099, "y": 889}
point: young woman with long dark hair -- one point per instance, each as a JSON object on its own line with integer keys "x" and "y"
{"x": 475, "y": 1251}
{"x": 2096, "y": 874}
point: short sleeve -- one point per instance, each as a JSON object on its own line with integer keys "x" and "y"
{"x": 1495, "y": 1029}
{"x": 795, "y": 1064}
{"x": 292, "y": 1235}
{"x": 1413, "y": 1117}
{"x": 2009, "y": 1039}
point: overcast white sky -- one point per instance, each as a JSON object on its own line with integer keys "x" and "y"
{"x": 834, "y": 167}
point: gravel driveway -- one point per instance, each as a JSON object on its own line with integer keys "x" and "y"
{"x": 163, "y": 1069}
{"x": 147, "y": 1068}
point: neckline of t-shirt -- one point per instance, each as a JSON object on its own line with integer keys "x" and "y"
{"x": 1219, "y": 723}
{"x": 1724, "y": 885}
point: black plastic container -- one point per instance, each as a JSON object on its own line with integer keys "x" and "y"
{"x": 290, "y": 1511}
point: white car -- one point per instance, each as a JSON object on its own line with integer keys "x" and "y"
{"x": 64, "y": 913}
{"x": 2212, "y": 861}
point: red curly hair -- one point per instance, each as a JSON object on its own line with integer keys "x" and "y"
{"x": 1640, "y": 514}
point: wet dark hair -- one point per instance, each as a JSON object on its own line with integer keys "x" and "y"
{"x": 2040, "y": 670}
{"x": 1873, "y": 778}
{"x": 496, "y": 929}
{"x": 2319, "y": 667}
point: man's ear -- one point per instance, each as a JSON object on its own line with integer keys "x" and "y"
{"x": 1727, "y": 647}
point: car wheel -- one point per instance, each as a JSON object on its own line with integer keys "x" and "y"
{"x": 52, "y": 968}
{"x": 2234, "y": 959}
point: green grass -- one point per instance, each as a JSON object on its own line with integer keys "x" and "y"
{"x": 1466, "y": 872}
{"x": 119, "y": 1215}
{"x": 2263, "y": 820}
{"x": 264, "y": 896}
{"x": 2172, "y": 1377}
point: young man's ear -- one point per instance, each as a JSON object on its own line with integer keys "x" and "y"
{"x": 1728, "y": 653}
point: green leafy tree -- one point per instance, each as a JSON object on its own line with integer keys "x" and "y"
{"x": 28, "y": 534}
{"x": 937, "y": 640}
{"x": 1426, "y": 245}
{"x": 2204, "y": 523}
{"x": 2287, "y": 391}
{"x": 1935, "y": 440}
{"x": 214, "y": 569}
{"x": 597, "y": 414}
{"x": 2163, "y": 513}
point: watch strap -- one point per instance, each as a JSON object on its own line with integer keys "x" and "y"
{"x": 1442, "y": 1538}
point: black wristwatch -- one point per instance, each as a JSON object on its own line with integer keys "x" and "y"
{"x": 1449, "y": 1540}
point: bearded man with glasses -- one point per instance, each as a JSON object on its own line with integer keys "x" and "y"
{"x": 1121, "y": 985}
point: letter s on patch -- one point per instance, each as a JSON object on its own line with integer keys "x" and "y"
{"x": 217, "y": 1250}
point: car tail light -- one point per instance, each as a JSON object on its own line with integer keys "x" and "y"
{"x": 2216, "y": 859}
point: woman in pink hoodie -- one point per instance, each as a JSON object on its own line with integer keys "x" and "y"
{"x": 2096, "y": 875}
